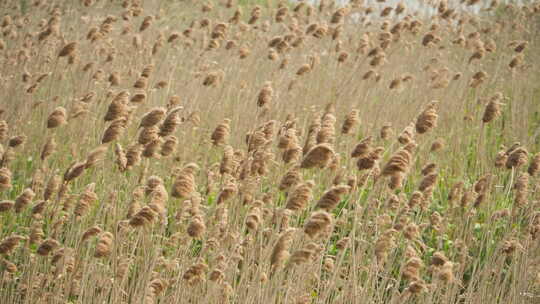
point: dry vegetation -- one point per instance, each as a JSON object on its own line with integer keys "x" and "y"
{"x": 222, "y": 152}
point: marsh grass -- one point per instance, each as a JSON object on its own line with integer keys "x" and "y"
{"x": 257, "y": 96}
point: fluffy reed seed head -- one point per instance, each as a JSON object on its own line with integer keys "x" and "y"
{"x": 52, "y": 187}
{"x": 169, "y": 145}
{"x": 143, "y": 217}
{"x": 437, "y": 145}
{"x": 521, "y": 188}
{"x": 47, "y": 247}
{"x": 16, "y": 141}
{"x": 363, "y": 148}
{"x": 121, "y": 159}
{"x": 407, "y": 135}
{"x": 158, "y": 197}
{"x": 331, "y": 198}
{"x": 4, "y": 128}
{"x": 105, "y": 245}
{"x": 411, "y": 269}
{"x": 148, "y": 134}
{"x": 370, "y": 160}
{"x": 300, "y": 196}
{"x": 68, "y": 49}
{"x": 24, "y": 199}
{"x": 427, "y": 119}
{"x": 384, "y": 244}
{"x": 429, "y": 169}
{"x": 133, "y": 155}
{"x": 517, "y": 158}
{"x": 90, "y": 232}
{"x": 57, "y": 118}
{"x": 318, "y": 156}
{"x": 184, "y": 185}
{"x": 428, "y": 182}
{"x": 48, "y": 148}
{"x": 6, "y": 205}
{"x": 400, "y": 162}
{"x": 152, "y": 149}
{"x": 75, "y": 170}
{"x": 254, "y": 217}
{"x": 306, "y": 254}
{"x": 534, "y": 166}
{"x": 153, "y": 117}
{"x": 351, "y": 121}
{"x": 416, "y": 199}
{"x": 227, "y": 192}
{"x": 195, "y": 273}
{"x": 265, "y": 95}
{"x": 95, "y": 156}
{"x": 500, "y": 159}
{"x": 220, "y": 136}
{"x": 493, "y": 108}
{"x": 292, "y": 153}
{"x": 318, "y": 222}
{"x": 86, "y": 200}
{"x": 141, "y": 83}
{"x": 445, "y": 273}
{"x": 229, "y": 163}
{"x": 386, "y": 131}
{"x": 196, "y": 227}
{"x": 477, "y": 79}
{"x": 114, "y": 130}
{"x": 171, "y": 122}
{"x": 280, "y": 252}
{"x": 327, "y": 131}
{"x": 9, "y": 243}
{"x": 138, "y": 97}
{"x": 290, "y": 179}
{"x": 9, "y": 267}
{"x": 416, "y": 287}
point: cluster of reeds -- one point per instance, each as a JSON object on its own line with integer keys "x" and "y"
{"x": 224, "y": 152}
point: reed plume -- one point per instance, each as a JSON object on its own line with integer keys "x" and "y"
{"x": 318, "y": 156}
{"x": 332, "y": 197}
{"x": 317, "y": 223}
{"x": 427, "y": 119}
{"x": 300, "y": 196}
{"x": 220, "y": 136}
{"x": 57, "y": 118}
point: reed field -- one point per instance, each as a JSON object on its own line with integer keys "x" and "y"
{"x": 235, "y": 151}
